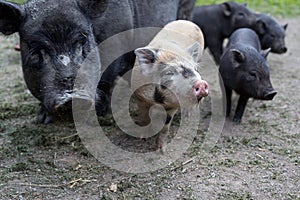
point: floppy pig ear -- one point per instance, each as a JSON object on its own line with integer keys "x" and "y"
{"x": 226, "y": 8}
{"x": 193, "y": 50}
{"x": 93, "y": 8}
{"x": 146, "y": 58}
{"x": 260, "y": 26}
{"x": 11, "y": 16}
{"x": 237, "y": 57}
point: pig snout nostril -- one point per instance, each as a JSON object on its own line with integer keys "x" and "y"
{"x": 270, "y": 95}
{"x": 284, "y": 50}
{"x": 201, "y": 89}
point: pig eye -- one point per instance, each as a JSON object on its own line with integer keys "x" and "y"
{"x": 35, "y": 57}
{"x": 253, "y": 75}
{"x": 272, "y": 36}
{"x": 241, "y": 14}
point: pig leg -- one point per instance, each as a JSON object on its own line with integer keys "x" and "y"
{"x": 240, "y": 109}
{"x": 45, "y": 117}
{"x": 228, "y": 100}
{"x": 163, "y": 134}
{"x": 216, "y": 49}
{"x": 105, "y": 87}
{"x": 143, "y": 117}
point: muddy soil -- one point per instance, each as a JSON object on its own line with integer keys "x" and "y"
{"x": 258, "y": 159}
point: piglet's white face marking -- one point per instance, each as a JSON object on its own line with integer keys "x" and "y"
{"x": 65, "y": 60}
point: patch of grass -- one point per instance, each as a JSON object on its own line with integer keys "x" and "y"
{"x": 238, "y": 195}
{"x": 274, "y": 7}
{"x": 18, "y": 1}
{"x": 18, "y": 167}
{"x": 8, "y": 110}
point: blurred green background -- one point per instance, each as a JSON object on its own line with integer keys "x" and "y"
{"x": 284, "y": 8}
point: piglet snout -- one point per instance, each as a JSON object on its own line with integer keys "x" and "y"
{"x": 201, "y": 89}
{"x": 283, "y": 50}
{"x": 270, "y": 95}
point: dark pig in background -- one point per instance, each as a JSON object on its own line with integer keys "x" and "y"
{"x": 57, "y": 37}
{"x": 270, "y": 33}
{"x": 244, "y": 69}
{"x": 185, "y": 10}
{"x": 218, "y": 22}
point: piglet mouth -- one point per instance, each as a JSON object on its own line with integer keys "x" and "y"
{"x": 65, "y": 100}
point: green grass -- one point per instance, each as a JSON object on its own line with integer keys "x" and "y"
{"x": 282, "y": 8}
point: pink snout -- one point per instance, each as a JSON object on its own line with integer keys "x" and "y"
{"x": 201, "y": 89}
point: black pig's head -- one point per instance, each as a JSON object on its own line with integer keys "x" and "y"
{"x": 251, "y": 73}
{"x": 270, "y": 33}
{"x": 238, "y": 16}
{"x": 55, "y": 37}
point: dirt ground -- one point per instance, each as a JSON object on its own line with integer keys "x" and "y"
{"x": 258, "y": 159}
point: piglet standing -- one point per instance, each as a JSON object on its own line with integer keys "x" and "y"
{"x": 219, "y": 21}
{"x": 244, "y": 69}
{"x": 165, "y": 73}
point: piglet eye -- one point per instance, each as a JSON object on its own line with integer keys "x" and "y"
{"x": 253, "y": 74}
{"x": 241, "y": 14}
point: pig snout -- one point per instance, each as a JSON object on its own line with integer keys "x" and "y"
{"x": 270, "y": 95}
{"x": 283, "y": 50}
{"x": 200, "y": 89}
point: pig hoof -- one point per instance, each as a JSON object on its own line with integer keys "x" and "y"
{"x": 237, "y": 120}
{"x": 161, "y": 147}
{"x": 45, "y": 118}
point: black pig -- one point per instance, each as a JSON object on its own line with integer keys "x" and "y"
{"x": 185, "y": 10}
{"x": 219, "y": 21}
{"x": 56, "y": 38}
{"x": 244, "y": 69}
{"x": 270, "y": 33}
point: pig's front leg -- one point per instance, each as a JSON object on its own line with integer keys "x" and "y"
{"x": 163, "y": 134}
{"x": 240, "y": 109}
{"x": 45, "y": 117}
{"x": 228, "y": 92}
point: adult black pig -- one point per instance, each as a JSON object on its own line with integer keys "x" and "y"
{"x": 244, "y": 69}
{"x": 219, "y": 21}
{"x": 57, "y": 36}
{"x": 270, "y": 33}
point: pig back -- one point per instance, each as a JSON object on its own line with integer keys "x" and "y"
{"x": 246, "y": 37}
{"x": 178, "y": 36}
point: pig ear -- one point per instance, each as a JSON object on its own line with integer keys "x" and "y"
{"x": 193, "y": 50}
{"x": 11, "y": 16}
{"x": 260, "y": 26}
{"x": 93, "y": 8}
{"x": 146, "y": 58}
{"x": 285, "y": 26}
{"x": 265, "y": 53}
{"x": 244, "y": 4}
{"x": 226, "y": 8}
{"x": 237, "y": 57}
